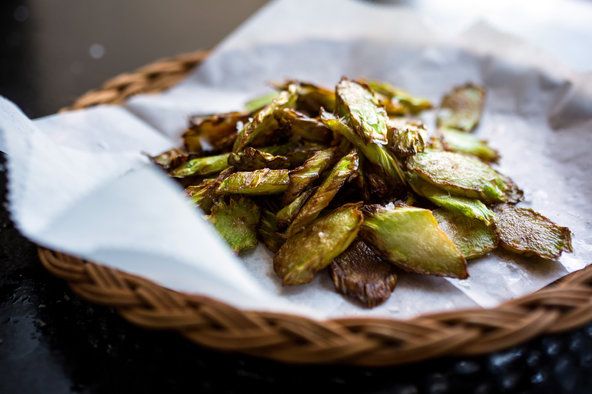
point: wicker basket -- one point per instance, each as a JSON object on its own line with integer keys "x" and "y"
{"x": 358, "y": 341}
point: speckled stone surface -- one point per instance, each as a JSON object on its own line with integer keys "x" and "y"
{"x": 52, "y": 342}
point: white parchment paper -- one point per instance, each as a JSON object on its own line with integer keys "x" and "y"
{"x": 79, "y": 182}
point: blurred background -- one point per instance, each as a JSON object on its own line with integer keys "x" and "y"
{"x": 51, "y": 51}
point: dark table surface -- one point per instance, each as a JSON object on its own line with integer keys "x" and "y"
{"x": 52, "y": 342}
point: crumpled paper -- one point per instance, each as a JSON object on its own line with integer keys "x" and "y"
{"x": 80, "y": 182}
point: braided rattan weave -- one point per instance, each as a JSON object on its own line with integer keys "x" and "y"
{"x": 358, "y": 341}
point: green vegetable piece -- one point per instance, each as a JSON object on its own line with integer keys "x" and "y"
{"x": 258, "y": 182}
{"x": 526, "y": 232}
{"x": 362, "y": 275}
{"x": 259, "y": 102}
{"x": 473, "y": 237}
{"x": 459, "y": 141}
{"x": 317, "y": 245}
{"x": 268, "y": 231}
{"x": 311, "y": 97}
{"x": 406, "y": 137}
{"x": 411, "y": 238}
{"x": 289, "y": 212}
{"x": 461, "y": 108}
{"x": 202, "y": 166}
{"x": 341, "y": 173}
{"x": 202, "y": 194}
{"x": 460, "y": 174}
{"x": 213, "y": 132}
{"x": 398, "y": 101}
{"x": 303, "y": 176}
{"x": 302, "y": 126}
{"x": 296, "y": 152}
{"x": 264, "y": 122}
{"x": 236, "y": 222}
{"x": 468, "y": 207}
{"x": 375, "y": 153}
{"x": 360, "y": 108}
{"x": 253, "y": 159}
{"x": 170, "y": 159}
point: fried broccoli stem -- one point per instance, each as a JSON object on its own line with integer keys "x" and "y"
{"x": 315, "y": 247}
{"x": 258, "y": 182}
{"x": 360, "y": 108}
{"x": 410, "y": 238}
{"x": 202, "y": 166}
{"x": 213, "y": 132}
{"x": 268, "y": 231}
{"x": 302, "y": 126}
{"x": 374, "y": 153}
{"x": 202, "y": 194}
{"x": 468, "y": 207}
{"x": 527, "y": 232}
{"x": 289, "y": 212}
{"x": 406, "y": 137}
{"x": 473, "y": 237}
{"x": 340, "y": 173}
{"x": 170, "y": 159}
{"x": 259, "y": 102}
{"x": 236, "y": 222}
{"x": 459, "y": 141}
{"x": 311, "y": 97}
{"x": 461, "y": 175}
{"x": 303, "y": 176}
{"x": 264, "y": 121}
{"x": 254, "y": 159}
{"x": 398, "y": 101}
{"x": 461, "y": 108}
{"x": 362, "y": 275}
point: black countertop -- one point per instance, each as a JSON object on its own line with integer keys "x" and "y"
{"x": 52, "y": 342}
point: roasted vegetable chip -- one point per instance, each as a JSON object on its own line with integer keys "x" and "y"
{"x": 315, "y": 247}
{"x": 213, "y": 132}
{"x": 256, "y": 182}
{"x": 311, "y": 97}
{"x": 375, "y": 153}
{"x": 341, "y": 173}
{"x": 461, "y": 108}
{"x": 268, "y": 231}
{"x": 302, "y": 126}
{"x": 361, "y": 110}
{"x": 264, "y": 122}
{"x": 253, "y": 159}
{"x": 362, "y": 275}
{"x": 202, "y": 166}
{"x": 303, "y": 176}
{"x": 460, "y": 174}
{"x": 459, "y": 141}
{"x": 289, "y": 212}
{"x": 473, "y": 237}
{"x": 296, "y": 152}
{"x": 410, "y": 238}
{"x": 400, "y": 101}
{"x": 406, "y": 138}
{"x": 469, "y": 207}
{"x": 255, "y": 104}
{"x": 171, "y": 158}
{"x": 236, "y": 222}
{"x": 526, "y": 232}
{"x": 202, "y": 194}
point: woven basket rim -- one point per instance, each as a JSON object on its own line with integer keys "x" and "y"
{"x": 369, "y": 341}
